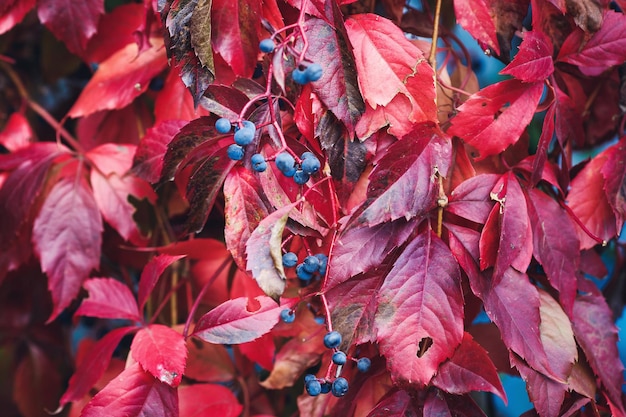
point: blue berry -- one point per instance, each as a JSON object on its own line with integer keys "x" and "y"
{"x": 235, "y": 152}
{"x": 314, "y": 72}
{"x": 310, "y": 165}
{"x": 267, "y": 45}
{"x": 339, "y": 358}
{"x": 326, "y": 387}
{"x": 306, "y": 155}
{"x": 323, "y": 263}
{"x": 287, "y": 315}
{"x": 285, "y": 162}
{"x": 290, "y": 260}
{"x": 363, "y": 364}
{"x": 223, "y": 125}
{"x": 302, "y": 273}
{"x": 311, "y": 264}
{"x": 290, "y": 172}
{"x": 332, "y": 339}
{"x": 301, "y": 177}
{"x": 245, "y": 135}
{"x": 340, "y": 387}
{"x": 313, "y": 387}
{"x": 299, "y": 76}
{"x": 258, "y": 162}
{"x": 309, "y": 377}
{"x": 156, "y": 84}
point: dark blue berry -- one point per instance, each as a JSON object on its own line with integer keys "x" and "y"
{"x": 300, "y": 177}
{"x": 285, "y": 162}
{"x": 299, "y": 76}
{"x": 340, "y": 387}
{"x": 223, "y": 125}
{"x": 306, "y": 155}
{"x": 302, "y": 273}
{"x": 267, "y": 45}
{"x": 332, "y": 339}
{"x": 309, "y": 377}
{"x": 290, "y": 260}
{"x": 290, "y": 172}
{"x": 313, "y": 387}
{"x": 326, "y": 387}
{"x": 310, "y": 165}
{"x": 311, "y": 264}
{"x": 245, "y": 135}
{"x": 363, "y": 364}
{"x": 339, "y": 358}
{"x": 235, "y": 152}
{"x": 323, "y": 263}
{"x": 156, "y": 84}
{"x": 287, "y": 315}
{"x": 258, "y": 162}
{"x": 314, "y": 72}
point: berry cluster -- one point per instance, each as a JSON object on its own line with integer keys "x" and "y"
{"x": 304, "y": 75}
{"x": 339, "y": 387}
{"x": 243, "y": 136}
{"x": 301, "y": 173}
{"x": 312, "y": 264}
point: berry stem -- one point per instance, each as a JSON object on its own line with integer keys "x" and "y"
{"x": 329, "y": 322}
{"x": 581, "y": 224}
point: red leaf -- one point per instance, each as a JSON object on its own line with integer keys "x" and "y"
{"x": 555, "y": 245}
{"x": 469, "y": 369}
{"x": 108, "y": 299}
{"x": 235, "y": 26}
{"x": 471, "y": 200}
{"x": 232, "y": 322}
{"x": 420, "y": 310}
{"x": 208, "y": 362}
{"x": 474, "y": 16}
{"x": 17, "y": 133}
{"x": 148, "y": 159}
{"x": 506, "y": 239}
{"x": 123, "y": 126}
{"x": 533, "y": 62}
{"x": 546, "y": 394}
{"x": 134, "y": 393}
{"x": 597, "y": 336}
{"x": 261, "y": 351}
{"x": 74, "y": 23}
{"x": 404, "y": 182}
{"x": 606, "y": 48}
{"x": 201, "y": 400}
{"x": 67, "y": 236}
{"x": 397, "y": 404}
{"x": 93, "y": 366}
{"x": 14, "y": 14}
{"x": 151, "y": 274}
{"x": 488, "y": 124}
{"x": 614, "y": 173}
{"x": 264, "y": 251}
{"x": 161, "y": 351}
{"x": 175, "y": 102}
{"x": 120, "y": 78}
{"x": 541, "y": 156}
{"x": 590, "y": 204}
{"x": 439, "y": 403}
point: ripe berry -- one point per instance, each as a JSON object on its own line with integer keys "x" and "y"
{"x": 285, "y": 162}
{"x": 309, "y": 377}
{"x": 339, "y": 358}
{"x": 223, "y": 125}
{"x": 156, "y": 84}
{"x": 299, "y": 76}
{"x": 287, "y": 315}
{"x": 363, "y": 364}
{"x": 313, "y": 387}
{"x": 290, "y": 259}
{"x": 235, "y": 152}
{"x": 258, "y": 162}
{"x": 314, "y": 72}
{"x": 311, "y": 264}
{"x": 340, "y": 387}
{"x": 311, "y": 164}
{"x": 302, "y": 273}
{"x": 332, "y": 339}
{"x": 245, "y": 135}
{"x": 326, "y": 387}
{"x": 323, "y": 263}
{"x": 290, "y": 172}
{"x": 267, "y": 45}
{"x": 301, "y": 177}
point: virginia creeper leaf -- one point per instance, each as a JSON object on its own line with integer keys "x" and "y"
{"x": 200, "y": 32}
{"x": 232, "y": 322}
{"x": 161, "y": 351}
{"x": 397, "y": 404}
{"x": 67, "y": 235}
{"x": 200, "y": 400}
{"x": 474, "y": 17}
{"x": 469, "y": 369}
{"x": 541, "y": 156}
{"x": 148, "y": 159}
{"x": 74, "y": 23}
{"x": 546, "y": 395}
{"x": 17, "y": 133}
{"x": 13, "y": 13}
{"x": 151, "y": 274}
{"x": 420, "y": 310}
{"x": 470, "y": 199}
{"x": 495, "y": 117}
{"x": 614, "y": 173}
{"x": 508, "y": 17}
{"x": 108, "y": 299}
{"x": 533, "y": 62}
{"x": 208, "y": 362}
{"x": 439, "y": 403}
{"x": 134, "y": 393}
{"x": 263, "y": 250}
{"x": 93, "y": 366}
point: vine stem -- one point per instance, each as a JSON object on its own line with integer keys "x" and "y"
{"x": 432, "y": 58}
{"x": 203, "y": 291}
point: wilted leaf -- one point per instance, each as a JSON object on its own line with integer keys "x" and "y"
{"x": 200, "y": 32}
{"x": 201, "y": 400}
{"x": 67, "y": 236}
{"x": 533, "y": 62}
{"x": 232, "y": 322}
{"x": 161, "y": 351}
{"x": 108, "y": 299}
{"x": 474, "y": 17}
{"x": 508, "y": 17}
{"x": 151, "y": 274}
{"x": 420, "y": 310}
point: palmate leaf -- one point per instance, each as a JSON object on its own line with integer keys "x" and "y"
{"x": 161, "y": 351}
{"x": 109, "y": 299}
{"x": 533, "y": 62}
{"x": 420, "y": 310}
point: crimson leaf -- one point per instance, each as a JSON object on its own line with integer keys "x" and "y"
{"x": 151, "y": 274}
{"x": 614, "y": 173}
{"x": 161, "y": 351}
{"x": 108, "y": 299}
{"x": 148, "y": 159}
{"x": 533, "y": 62}
{"x": 200, "y": 400}
{"x": 474, "y": 16}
